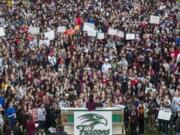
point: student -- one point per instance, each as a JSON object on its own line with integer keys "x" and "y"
{"x": 91, "y": 105}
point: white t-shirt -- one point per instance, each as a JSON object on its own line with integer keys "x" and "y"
{"x": 106, "y": 67}
{"x": 52, "y": 60}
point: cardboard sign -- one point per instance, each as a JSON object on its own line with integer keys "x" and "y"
{"x": 95, "y": 123}
{"x": 2, "y": 32}
{"x": 50, "y": 35}
{"x": 165, "y": 114}
{"x": 154, "y": 19}
{"x": 61, "y": 29}
{"x": 112, "y": 32}
{"x": 100, "y": 35}
{"x": 130, "y": 36}
{"x": 88, "y": 26}
{"x": 34, "y": 30}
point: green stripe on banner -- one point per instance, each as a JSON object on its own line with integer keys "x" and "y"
{"x": 115, "y": 118}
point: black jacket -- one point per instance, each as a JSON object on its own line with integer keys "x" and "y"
{"x": 177, "y": 128}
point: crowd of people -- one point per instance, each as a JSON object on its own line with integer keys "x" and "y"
{"x": 39, "y": 76}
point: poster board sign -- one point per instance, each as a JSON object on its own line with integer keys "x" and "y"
{"x": 34, "y": 30}
{"x": 154, "y": 19}
{"x": 148, "y": 89}
{"x": 88, "y": 26}
{"x": 92, "y": 33}
{"x": 61, "y": 29}
{"x": 130, "y": 36}
{"x": 93, "y": 122}
{"x": 165, "y": 114}
{"x": 50, "y": 35}
{"x": 2, "y": 32}
{"x": 100, "y": 35}
{"x": 44, "y": 42}
{"x": 112, "y": 32}
{"x": 120, "y": 34}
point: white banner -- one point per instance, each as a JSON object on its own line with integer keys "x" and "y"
{"x": 93, "y": 123}
{"x": 165, "y": 114}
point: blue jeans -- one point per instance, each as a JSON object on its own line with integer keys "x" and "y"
{"x": 177, "y": 133}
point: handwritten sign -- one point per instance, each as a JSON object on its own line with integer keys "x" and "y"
{"x": 2, "y": 33}
{"x": 50, "y": 35}
{"x": 92, "y": 33}
{"x": 112, "y": 32}
{"x": 88, "y": 26}
{"x": 120, "y": 34}
{"x": 154, "y": 19}
{"x": 149, "y": 90}
{"x": 130, "y": 36}
{"x": 100, "y": 35}
{"x": 164, "y": 114}
{"x": 61, "y": 29}
{"x": 34, "y": 30}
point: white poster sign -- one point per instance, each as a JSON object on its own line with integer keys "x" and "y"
{"x": 154, "y": 19}
{"x": 44, "y": 42}
{"x": 2, "y": 33}
{"x": 93, "y": 123}
{"x": 130, "y": 36}
{"x": 164, "y": 114}
{"x": 34, "y": 30}
{"x": 150, "y": 90}
{"x": 88, "y": 26}
{"x": 112, "y": 32}
{"x": 50, "y": 35}
{"x": 100, "y": 35}
{"x": 120, "y": 34}
{"x": 61, "y": 29}
{"x": 92, "y": 33}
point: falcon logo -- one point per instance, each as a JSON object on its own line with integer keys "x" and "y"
{"x": 89, "y": 122}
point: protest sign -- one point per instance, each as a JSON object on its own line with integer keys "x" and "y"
{"x": 165, "y": 114}
{"x": 120, "y": 34}
{"x": 44, "y": 42}
{"x": 149, "y": 90}
{"x": 2, "y": 33}
{"x": 92, "y": 33}
{"x": 61, "y": 29}
{"x": 34, "y": 30}
{"x": 154, "y": 19}
{"x": 112, "y": 32}
{"x": 130, "y": 36}
{"x": 88, "y": 26}
{"x": 50, "y": 35}
{"x": 100, "y": 35}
